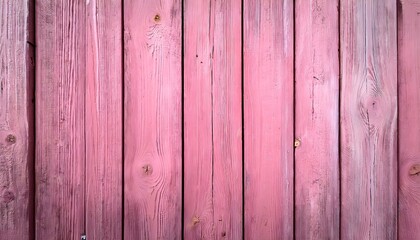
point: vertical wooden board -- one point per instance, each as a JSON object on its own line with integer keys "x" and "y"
{"x": 212, "y": 120}
{"x": 60, "y": 119}
{"x": 153, "y": 130}
{"x": 104, "y": 120}
{"x": 198, "y": 122}
{"x": 317, "y": 193}
{"x": 268, "y": 118}
{"x": 16, "y": 120}
{"x": 368, "y": 119}
{"x": 409, "y": 118}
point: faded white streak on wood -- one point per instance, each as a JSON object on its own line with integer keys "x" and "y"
{"x": 317, "y": 186}
{"x": 368, "y": 119}
{"x": 104, "y": 120}
{"x": 268, "y": 118}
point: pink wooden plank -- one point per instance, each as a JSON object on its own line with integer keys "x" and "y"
{"x": 152, "y": 134}
{"x": 60, "y": 119}
{"x": 104, "y": 120}
{"x": 317, "y": 186}
{"x": 212, "y": 120}
{"x": 368, "y": 119}
{"x": 409, "y": 118}
{"x": 16, "y": 120}
{"x": 268, "y": 123}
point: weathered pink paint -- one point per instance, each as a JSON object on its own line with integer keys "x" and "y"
{"x": 317, "y": 185}
{"x": 81, "y": 78}
{"x": 60, "y": 119}
{"x": 212, "y": 120}
{"x": 268, "y": 118}
{"x": 16, "y": 120}
{"x": 104, "y": 120}
{"x": 409, "y": 118}
{"x": 152, "y": 113}
{"x": 369, "y": 184}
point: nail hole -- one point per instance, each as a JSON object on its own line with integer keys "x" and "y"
{"x": 157, "y": 18}
{"x": 297, "y": 142}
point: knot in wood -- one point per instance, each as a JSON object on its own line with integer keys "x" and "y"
{"x": 147, "y": 169}
{"x": 195, "y": 221}
{"x": 11, "y": 138}
{"x": 8, "y": 197}
{"x": 414, "y": 170}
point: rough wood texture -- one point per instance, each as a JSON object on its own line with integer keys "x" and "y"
{"x": 153, "y": 143}
{"x": 212, "y": 125}
{"x": 369, "y": 119}
{"x": 268, "y": 123}
{"x": 317, "y": 189}
{"x": 104, "y": 120}
{"x": 60, "y": 119}
{"x": 16, "y": 119}
{"x": 409, "y": 118}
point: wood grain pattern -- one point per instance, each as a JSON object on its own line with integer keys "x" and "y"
{"x": 153, "y": 130}
{"x": 409, "y": 118}
{"x": 60, "y": 119}
{"x": 268, "y": 123}
{"x": 104, "y": 120}
{"x": 212, "y": 122}
{"x": 369, "y": 119}
{"x": 16, "y": 119}
{"x": 317, "y": 186}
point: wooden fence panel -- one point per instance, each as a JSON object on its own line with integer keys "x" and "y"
{"x": 369, "y": 119}
{"x": 104, "y": 120}
{"x": 317, "y": 184}
{"x": 247, "y": 97}
{"x": 409, "y": 118}
{"x": 153, "y": 123}
{"x": 213, "y": 120}
{"x": 268, "y": 118}
{"x": 60, "y": 119}
{"x": 16, "y": 119}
